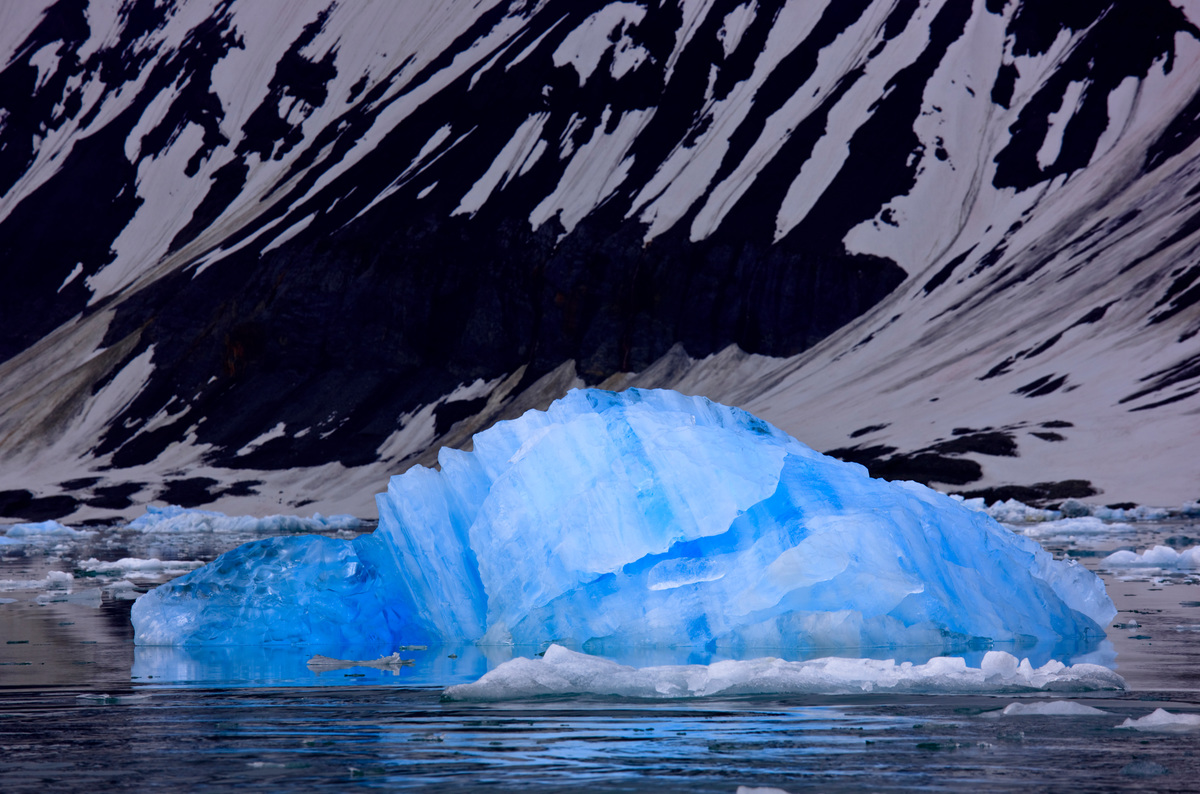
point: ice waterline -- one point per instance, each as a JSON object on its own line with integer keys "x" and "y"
{"x": 642, "y": 518}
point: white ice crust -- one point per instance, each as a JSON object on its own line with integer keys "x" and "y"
{"x": 174, "y": 519}
{"x": 561, "y": 671}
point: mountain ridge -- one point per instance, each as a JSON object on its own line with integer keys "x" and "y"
{"x": 298, "y": 244}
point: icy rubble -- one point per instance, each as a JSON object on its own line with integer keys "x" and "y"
{"x": 1073, "y": 528}
{"x": 1012, "y": 511}
{"x": 564, "y": 672}
{"x": 640, "y": 518}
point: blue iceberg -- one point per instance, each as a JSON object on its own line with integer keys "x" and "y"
{"x": 634, "y": 519}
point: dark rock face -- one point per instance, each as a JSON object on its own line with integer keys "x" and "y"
{"x": 368, "y": 314}
{"x": 330, "y": 327}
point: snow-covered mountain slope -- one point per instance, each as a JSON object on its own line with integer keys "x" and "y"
{"x": 264, "y": 255}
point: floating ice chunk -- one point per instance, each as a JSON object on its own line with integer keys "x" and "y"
{"x": 1072, "y": 527}
{"x": 172, "y": 519}
{"x": 45, "y": 529}
{"x": 393, "y": 661}
{"x": 269, "y": 592}
{"x": 565, "y": 672}
{"x": 1014, "y": 512}
{"x": 1051, "y": 708}
{"x": 153, "y": 566}
{"x": 1139, "y": 513}
{"x": 1008, "y": 512}
{"x": 638, "y": 519}
{"x": 1160, "y": 720}
{"x": 1157, "y": 557}
{"x": 55, "y": 580}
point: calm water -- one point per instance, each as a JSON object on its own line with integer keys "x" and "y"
{"x": 82, "y": 709}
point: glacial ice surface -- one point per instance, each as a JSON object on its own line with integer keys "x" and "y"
{"x": 640, "y": 518}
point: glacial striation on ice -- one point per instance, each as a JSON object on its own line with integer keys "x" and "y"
{"x": 641, "y": 518}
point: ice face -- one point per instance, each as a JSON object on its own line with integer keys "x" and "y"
{"x": 641, "y": 518}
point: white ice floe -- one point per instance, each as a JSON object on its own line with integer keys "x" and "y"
{"x": 45, "y": 529}
{"x": 55, "y": 580}
{"x": 172, "y": 519}
{"x": 1161, "y": 720}
{"x": 1009, "y": 512}
{"x": 127, "y": 565}
{"x": 391, "y": 662}
{"x": 564, "y": 672}
{"x": 1073, "y": 527}
{"x": 1157, "y": 557}
{"x": 1094, "y": 517}
{"x": 1052, "y": 708}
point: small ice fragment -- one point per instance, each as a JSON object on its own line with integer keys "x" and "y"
{"x": 1052, "y": 708}
{"x": 1157, "y": 557}
{"x": 1162, "y": 720}
{"x": 998, "y": 663}
{"x": 320, "y": 662}
{"x": 138, "y": 565}
{"x": 44, "y": 529}
{"x": 1014, "y": 512}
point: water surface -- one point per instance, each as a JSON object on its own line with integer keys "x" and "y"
{"x": 81, "y": 708}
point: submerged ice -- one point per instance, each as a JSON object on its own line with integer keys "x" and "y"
{"x": 640, "y": 518}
